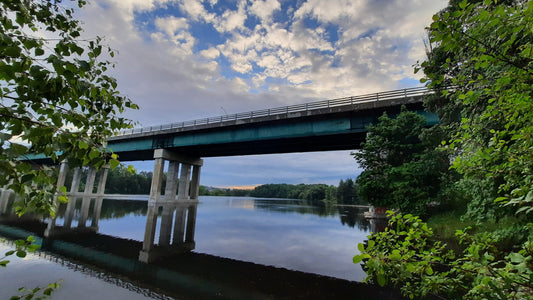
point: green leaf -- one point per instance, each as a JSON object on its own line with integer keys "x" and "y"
{"x": 516, "y": 258}
{"x": 429, "y": 270}
{"x": 381, "y": 280}
{"x": 357, "y": 259}
{"x": 94, "y": 153}
{"x": 361, "y": 247}
{"x": 114, "y": 163}
{"x": 83, "y": 145}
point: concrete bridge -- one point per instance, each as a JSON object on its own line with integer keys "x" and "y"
{"x": 339, "y": 124}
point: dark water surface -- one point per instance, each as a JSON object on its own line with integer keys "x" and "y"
{"x": 274, "y": 232}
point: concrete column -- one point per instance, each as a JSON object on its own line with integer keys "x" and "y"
{"x": 69, "y": 213}
{"x": 168, "y": 210}
{"x": 149, "y": 232}
{"x": 89, "y": 184}
{"x": 71, "y": 205}
{"x": 97, "y": 210}
{"x": 102, "y": 180}
{"x": 166, "y": 225}
{"x": 172, "y": 181}
{"x": 179, "y": 226}
{"x": 185, "y": 179}
{"x": 191, "y": 224}
{"x": 4, "y": 200}
{"x": 185, "y": 188}
{"x": 153, "y": 207}
{"x": 195, "y": 182}
{"x": 63, "y": 170}
{"x": 76, "y": 179}
{"x": 157, "y": 179}
{"x": 62, "y": 176}
{"x": 84, "y": 211}
{"x": 86, "y": 202}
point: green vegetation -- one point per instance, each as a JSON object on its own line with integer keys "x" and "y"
{"x": 316, "y": 194}
{"x": 402, "y": 168}
{"x": 484, "y": 50}
{"x": 407, "y": 256}
{"x": 55, "y": 100}
{"x": 122, "y": 181}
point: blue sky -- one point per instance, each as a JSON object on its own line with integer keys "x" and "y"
{"x": 187, "y": 59}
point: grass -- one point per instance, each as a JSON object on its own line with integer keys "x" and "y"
{"x": 445, "y": 225}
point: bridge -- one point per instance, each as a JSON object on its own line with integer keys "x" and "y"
{"x": 339, "y": 124}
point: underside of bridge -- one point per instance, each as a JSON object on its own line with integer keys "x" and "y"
{"x": 325, "y": 132}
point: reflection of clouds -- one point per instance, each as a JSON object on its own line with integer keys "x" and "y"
{"x": 307, "y": 243}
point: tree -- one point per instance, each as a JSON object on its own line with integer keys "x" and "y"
{"x": 485, "y": 50}
{"x": 401, "y": 169}
{"x": 346, "y": 192}
{"x": 55, "y": 98}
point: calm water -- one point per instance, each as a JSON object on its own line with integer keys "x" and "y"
{"x": 274, "y": 232}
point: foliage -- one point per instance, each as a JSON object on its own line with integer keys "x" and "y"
{"x": 402, "y": 169}
{"x": 313, "y": 193}
{"x": 37, "y": 293}
{"x": 485, "y": 50}
{"x": 22, "y": 247}
{"x": 55, "y": 98}
{"x": 347, "y": 192}
{"x": 122, "y": 180}
{"x": 406, "y": 256}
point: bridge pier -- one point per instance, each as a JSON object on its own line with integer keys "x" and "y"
{"x": 86, "y": 199}
{"x": 5, "y": 195}
{"x": 177, "y": 205}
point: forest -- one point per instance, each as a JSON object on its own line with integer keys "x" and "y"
{"x": 122, "y": 181}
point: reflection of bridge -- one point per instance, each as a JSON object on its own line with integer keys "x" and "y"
{"x": 338, "y": 124}
{"x": 190, "y": 275}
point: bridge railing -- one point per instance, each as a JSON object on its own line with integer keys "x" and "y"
{"x": 285, "y": 110}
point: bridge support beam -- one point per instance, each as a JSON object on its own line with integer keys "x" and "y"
{"x": 86, "y": 197}
{"x": 177, "y": 205}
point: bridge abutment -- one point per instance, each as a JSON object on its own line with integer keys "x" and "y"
{"x": 177, "y": 205}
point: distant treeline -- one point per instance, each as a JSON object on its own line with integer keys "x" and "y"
{"x": 121, "y": 181}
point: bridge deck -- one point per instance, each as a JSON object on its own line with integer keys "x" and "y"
{"x": 352, "y": 103}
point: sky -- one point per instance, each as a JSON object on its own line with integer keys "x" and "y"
{"x": 181, "y": 60}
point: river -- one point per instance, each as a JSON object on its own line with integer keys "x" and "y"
{"x": 282, "y": 233}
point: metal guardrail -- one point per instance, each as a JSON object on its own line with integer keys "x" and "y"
{"x": 285, "y": 110}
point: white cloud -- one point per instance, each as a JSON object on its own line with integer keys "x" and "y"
{"x": 232, "y": 20}
{"x": 210, "y": 53}
{"x": 264, "y": 9}
{"x": 378, "y": 41}
{"x": 196, "y": 10}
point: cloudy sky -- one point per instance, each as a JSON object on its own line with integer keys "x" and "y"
{"x": 181, "y": 60}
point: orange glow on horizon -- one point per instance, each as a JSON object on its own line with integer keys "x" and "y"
{"x": 242, "y": 187}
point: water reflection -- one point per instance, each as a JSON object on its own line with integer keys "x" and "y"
{"x": 277, "y": 232}
{"x": 236, "y": 240}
